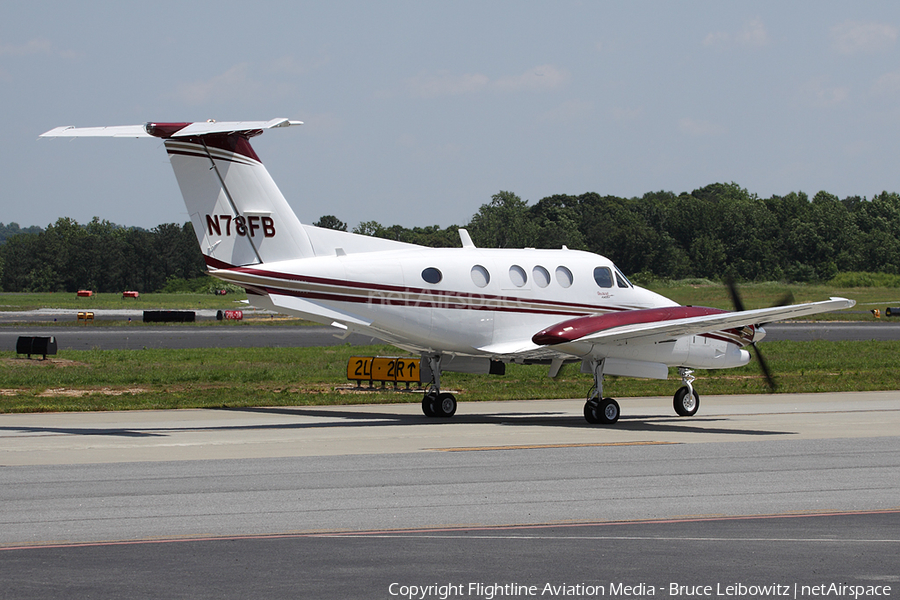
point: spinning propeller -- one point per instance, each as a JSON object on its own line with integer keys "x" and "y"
{"x": 739, "y": 307}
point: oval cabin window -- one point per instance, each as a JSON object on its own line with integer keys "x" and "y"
{"x": 541, "y": 276}
{"x": 432, "y": 275}
{"x": 480, "y": 276}
{"x": 563, "y": 276}
{"x": 518, "y": 276}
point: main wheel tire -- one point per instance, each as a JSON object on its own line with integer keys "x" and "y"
{"x": 590, "y": 412}
{"x": 444, "y": 405}
{"x": 428, "y": 405}
{"x": 686, "y": 403}
{"x": 608, "y": 412}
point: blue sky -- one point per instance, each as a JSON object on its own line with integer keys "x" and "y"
{"x": 417, "y": 112}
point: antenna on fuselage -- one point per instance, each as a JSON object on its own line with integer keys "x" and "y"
{"x": 465, "y": 238}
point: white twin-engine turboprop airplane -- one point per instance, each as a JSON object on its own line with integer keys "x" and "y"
{"x": 463, "y": 309}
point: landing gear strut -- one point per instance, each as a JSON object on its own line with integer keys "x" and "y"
{"x": 599, "y": 410}
{"x": 436, "y": 403}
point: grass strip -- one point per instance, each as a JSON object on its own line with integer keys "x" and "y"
{"x": 94, "y": 380}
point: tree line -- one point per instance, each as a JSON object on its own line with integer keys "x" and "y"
{"x": 716, "y": 232}
{"x": 99, "y": 256}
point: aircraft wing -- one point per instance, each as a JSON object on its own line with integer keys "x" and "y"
{"x": 658, "y": 324}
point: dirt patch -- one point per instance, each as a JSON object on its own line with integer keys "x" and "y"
{"x": 75, "y": 393}
{"x": 70, "y": 393}
{"x": 40, "y": 362}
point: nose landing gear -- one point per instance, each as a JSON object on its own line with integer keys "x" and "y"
{"x": 686, "y": 400}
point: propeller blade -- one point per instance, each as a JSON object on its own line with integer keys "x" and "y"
{"x": 764, "y": 367}
{"x": 739, "y": 307}
{"x": 785, "y": 300}
{"x": 735, "y": 296}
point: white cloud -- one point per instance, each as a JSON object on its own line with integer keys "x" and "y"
{"x": 289, "y": 65}
{"x": 543, "y": 77}
{"x": 854, "y": 37}
{"x": 445, "y": 84}
{"x": 35, "y": 46}
{"x": 627, "y": 114}
{"x": 699, "y": 128}
{"x": 570, "y": 111}
{"x": 753, "y": 34}
{"x": 237, "y": 83}
{"x": 201, "y": 92}
{"x": 817, "y": 93}
{"x": 888, "y": 84}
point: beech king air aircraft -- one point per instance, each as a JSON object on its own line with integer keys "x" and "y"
{"x": 463, "y": 309}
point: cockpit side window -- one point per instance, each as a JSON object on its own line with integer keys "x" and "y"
{"x": 603, "y": 277}
{"x": 621, "y": 280}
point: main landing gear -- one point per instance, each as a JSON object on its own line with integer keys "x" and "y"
{"x": 605, "y": 411}
{"x": 436, "y": 403}
{"x": 599, "y": 410}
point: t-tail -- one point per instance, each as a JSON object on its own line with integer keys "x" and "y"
{"x": 239, "y": 214}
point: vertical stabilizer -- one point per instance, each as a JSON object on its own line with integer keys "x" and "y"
{"x": 238, "y": 213}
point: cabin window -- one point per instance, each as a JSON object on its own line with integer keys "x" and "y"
{"x": 541, "y": 276}
{"x": 518, "y": 276}
{"x": 480, "y": 276}
{"x": 603, "y": 277}
{"x": 563, "y": 276}
{"x": 432, "y": 275}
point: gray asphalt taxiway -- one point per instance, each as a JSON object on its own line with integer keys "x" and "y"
{"x": 372, "y": 501}
{"x": 172, "y": 336}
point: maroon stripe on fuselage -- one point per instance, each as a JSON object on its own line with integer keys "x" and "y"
{"x": 215, "y": 263}
{"x": 572, "y": 308}
{"x": 500, "y": 305}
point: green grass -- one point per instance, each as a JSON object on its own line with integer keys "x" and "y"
{"x": 145, "y": 379}
{"x": 760, "y": 295}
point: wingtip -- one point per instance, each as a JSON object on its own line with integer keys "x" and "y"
{"x": 850, "y": 303}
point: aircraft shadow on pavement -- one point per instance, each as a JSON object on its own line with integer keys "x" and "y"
{"x": 662, "y": 424}
{"x": 112, "y": 431}
{"x": 350, "y": 418}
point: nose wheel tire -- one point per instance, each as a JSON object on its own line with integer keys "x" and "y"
{"x": 687, "y": 402}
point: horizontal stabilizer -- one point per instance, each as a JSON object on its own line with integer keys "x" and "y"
{"x": 170, "y": 130}
{"x": 315, "y": 311}
{"x": 134, "y": 131}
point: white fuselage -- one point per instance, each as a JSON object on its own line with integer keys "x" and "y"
{"x": 474, "y": 301}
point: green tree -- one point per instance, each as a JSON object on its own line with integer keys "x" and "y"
{"x": 503, "y": 223}
{"x": 331, "y": 222}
